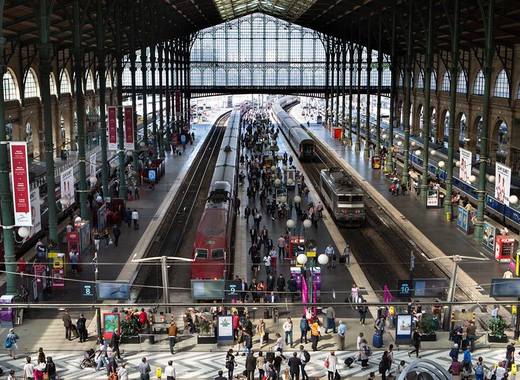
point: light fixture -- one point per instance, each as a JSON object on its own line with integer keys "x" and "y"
{"x": 23, "y": 232}
{"x": 472, "y": 178}
{"x": 93, "y": 180}
{"x": 418, "y": 152}
{"x": 301, "y": 259}
{"x": 513, "y": 199}
{"x": 277, "y": 182}
{"x": 413, "y": 143}
{"x": 399, "y": 143}
{"x": 307, "y": 223}
{"x": 433, "y": 152}
{"x": 77, "y": 219}
{"x": 491, "y": 179}
{"x": 441, "y": 164}
{"x": 283, "y": 199}
{"x": 457, "y": 164}
{"x": 290, "y": 223}
{"x": 297, "y": 199}
{"x": 323, "y": 259}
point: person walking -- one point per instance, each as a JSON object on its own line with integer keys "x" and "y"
{"x": 116, "y": 231}
{"x": 260, "y": 365}
{"x": 135, "y": 219}
{"x": 331, "y": 364}
{"x": 281, "y": 244}
{"x": 315, "y": 335}
{"x": 331, "y": 319}
{"x": 122, "y": 372}
{"x": 41, "y": 356}
{"x": 362, "y": 310}
{"x": 114, "y": 343}
{"x": 342, "y": 331}
{"x": 305, "y": 358}
{"x": 329, "y": 251}
{"x": 278, "y": 344}
{"x": 230, "y": 363}
{"x": 385, "y": 364}
{"x": 11, "y": 343}
{"x": 288, "y": 331}
{"x": 169, "y": 371}
{"x": 416, "y": 341}
{"x": 81, "y": 325}
{"x": 220, "y": 376}
{"x": 28, "y": 369}
{"x": 172, "y": 335}
{"x": 479, "y": 369}
{"x": 144, "y": 369}
{"x": 294, "y": 364}
{"x": 250, "y": 365}
{"x": 304, "y": 328}
{"x": 364, "y": 353}
{"x": 50, "y": 369}
{"x": 345, "y": 257}
{"x": 67, "y": 323}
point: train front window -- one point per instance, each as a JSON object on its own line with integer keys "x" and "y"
{"x": 357, "y": 198}
{"x": 201, "y": 253}
{"x": 344, "y": 198}
{"x": 217, "y": 253}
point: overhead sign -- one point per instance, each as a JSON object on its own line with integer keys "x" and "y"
{"x": 20, "y": 182}
{"x": 502, "y": 183}
{"x": 405, "y": 288}
{"x": 465, "y": 165}
{"x": 67, "y": 187}
{"x": 113, "y": 290}
{"x": 35, "y": 212}
{"x": 207, "y": 289}
{"x": 112, "y": 127}
{"x": 505, "y": 287}
{"x": 129, "y": 127}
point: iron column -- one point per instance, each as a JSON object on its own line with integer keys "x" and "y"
{"x": 358, "y": 106}
{"x": 154, "y": 105}
{"x": 389, "y": 162}
{"x": 344, "y": 71}
{"x": 379, "y": 84}
{"x": 368, "y": 87}
{"x": 160, "y": 62}
{"x": 407, "y": 98}
{"x": 120, "y": 122}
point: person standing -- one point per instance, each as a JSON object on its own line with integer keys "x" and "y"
{"x": 281, "y": 247}
{"x": 67, "y": 323}
{"x": 304, "y": 328}
{"x": 172, "y": 335}
{"x": 74, "y": 260}
{"x": 144, "y": 369}
{"x": 260, "y": 365}
{"x": 81, "y": 325}
{"x": 346, "y": 255}
{"x": 50, "y": 369}
{"x": 135, "y": 219}
{"x": 122, "y": 372}
{"x": 250, "y": 365}
{"x": 116, "y": 231}
{"x": 114, "y": 343}
{"x": 230, "y": 363}
{"x": 315, "y": 335}
{"x": 384, "y": 365}
{"x": 416, "y": 341}
{"x": 329, "y": 251}
{"x": 342, "y": 331}
{"x": 362, "y": 310}
{"x": 331, "y": 364}
{"x": 288, "y": 331}
{"x": 169, "y": 371}
{"x": 331, "y": 319}
{"x": 28, "y": 369}
{"x": 10, "y": 343}
{"x": 294, "y": 364}
{"x": 305, "y": 358}
{"x": 471, "y": 335}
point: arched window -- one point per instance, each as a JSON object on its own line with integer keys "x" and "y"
{"x": 64, "y": 82}
{"x": 433, "y": 81}
{"x": 501, "y": 85}
{"x": 52, "y": 82}
{"x": 478, "y": 86}
{"x": 90, "y": 81}
{"x": 462, "y": 83}
{"x": 10, "y": 86}
{"x": 420, "y": 80}
{"x": 446, "y": 82}
{"x": 31, "y": 89}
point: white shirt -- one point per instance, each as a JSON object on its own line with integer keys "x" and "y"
{"x": 28, "y": 370}
{"x": 122, "y": 373}
{"x": 329, "y": 251}
{"x": 267, "y": 261}
{"x": 500, "y": 372}
{"x": 494, "y": 314}
{"x": 358, "y": 342}
{"x": 287, "y": 326}
{"x": 169, "y": 371}
{"x": 135, "y": 215}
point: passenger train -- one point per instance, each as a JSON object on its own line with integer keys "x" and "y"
{"x": 344, "y": 199}
{"x": 215, "y": 232}
{"x": 298, "y": 138}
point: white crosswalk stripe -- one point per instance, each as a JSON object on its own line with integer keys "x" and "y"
{"x": 205, "y": 365}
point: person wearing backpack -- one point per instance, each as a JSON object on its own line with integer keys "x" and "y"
{"x": 230, "y": 363}
{"x": 305, "y": 358}
{"x": 479, "y": 369}
{"x": 364, "y": 353}
{"x": 11, "y": 343}
{"x": 304, "y": 328}
{"x": 385, "y": 364}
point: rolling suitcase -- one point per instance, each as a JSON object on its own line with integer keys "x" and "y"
{"x": 349, "y": 362}
{"x": 377, "y": 340}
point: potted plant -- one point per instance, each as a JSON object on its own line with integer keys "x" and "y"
{"x": 130, "y": 331}
{"x": 428, "y": 325}
{"x": 206, "y": 333}
{"x": 496, "y": 328}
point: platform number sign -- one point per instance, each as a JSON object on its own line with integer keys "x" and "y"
{"x": 405, "y": 288}
{"x": 88, "y": 290}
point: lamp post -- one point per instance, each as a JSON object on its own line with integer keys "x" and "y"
{"x": 302, "y": 259}
{"x": 306, "y": 225}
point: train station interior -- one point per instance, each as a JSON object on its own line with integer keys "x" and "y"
{"x": 272, "y": 189}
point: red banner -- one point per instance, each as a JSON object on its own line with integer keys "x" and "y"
{"x": 20, "y": 182}
{"x": 129, "y": 128}
{"x": 112, "y": 127}
{"x": 177, "y": 100}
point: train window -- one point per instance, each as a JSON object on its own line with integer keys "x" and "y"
{"x": 201, "y": 253}
{"x": 217, "y": 253}
{"x": 344, "y": 198}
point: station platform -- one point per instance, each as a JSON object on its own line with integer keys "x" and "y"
{"x": 430, "y": 222}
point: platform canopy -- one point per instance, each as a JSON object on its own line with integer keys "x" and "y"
{"x": 160, "y": 20}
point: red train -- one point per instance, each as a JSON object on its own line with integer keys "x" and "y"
{"x": 212, "y": 246}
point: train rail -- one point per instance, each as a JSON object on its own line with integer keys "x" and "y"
{"x": 170, "y": 236}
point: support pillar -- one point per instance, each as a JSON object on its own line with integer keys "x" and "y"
{"x": 144, "y": 72}
{"x": 120, "y": 121}
{"x": 135, "y": 155}
{"x": 167, "y": 95}
{"x": 154, "y": 105}
{"x": 389, "y": 162}
{"x": 160, "y": 62}
{"x": 351, "y": 84}
{"x": 407, "y": 98}
{"x": 484, "y": 148}
{"x": 327, "y": 75}
{"x": 45, "y": 55}
{"x": 369, "y": 71}
{"x": 427, "y": 107}
{"x": 358, "y": 106}
{"x": 6, "y": 200}
{"x": 338, "y": 64}
{"x": 343, "y": 71}
{"x": 454, "y": 73}
{"x": 100, "y": 37}
{"x": 379, "y": 84}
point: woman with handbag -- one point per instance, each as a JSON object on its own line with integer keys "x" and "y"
{"x": 331, "y": 364}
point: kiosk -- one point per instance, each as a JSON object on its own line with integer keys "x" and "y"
{"x": 504, "y": 248}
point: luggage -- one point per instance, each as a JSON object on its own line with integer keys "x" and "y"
{"x": 349, "y": 361}
{"x": 342, "y": 259}
{"x": 377, "y": 340}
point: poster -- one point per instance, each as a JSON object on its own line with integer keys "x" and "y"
{"x": 225, "y": 328}
{"x": 111, "y": 324}
{"x": 404, "y": 325}
{"x": 35, "y": 212}
{"x": 92, "y": 165}
{"x": 20, "y": 183}
{"x": 67, "y": 187}
{"x": 488, "y": 237}
{"x": 465, "y": 165}
{"x": 112, "y": 127}
{"x": 502, "y": 183}
{"x": 129, "y": 128}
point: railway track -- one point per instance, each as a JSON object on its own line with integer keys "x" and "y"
{"x": 171, "y": 235}
{"x": 382, "y": 252}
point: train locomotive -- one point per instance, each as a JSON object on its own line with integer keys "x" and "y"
{"x": 342, "y": 197}
{"x": 215, "y": 232}
{"x": 299, "y": 139}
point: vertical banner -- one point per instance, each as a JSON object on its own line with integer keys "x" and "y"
{"x": 92, "y": 165}
{"x": 129, "y": 128}
{"x": 177, "y": 100}
{"x": 112, "y": 127}
{"x": 35, "y": 212}
{"x": 465, "y": 165}
{"x": 20, "y": 182}
{"x": 502, "y": 183}
{"x": 67, "y": 187}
